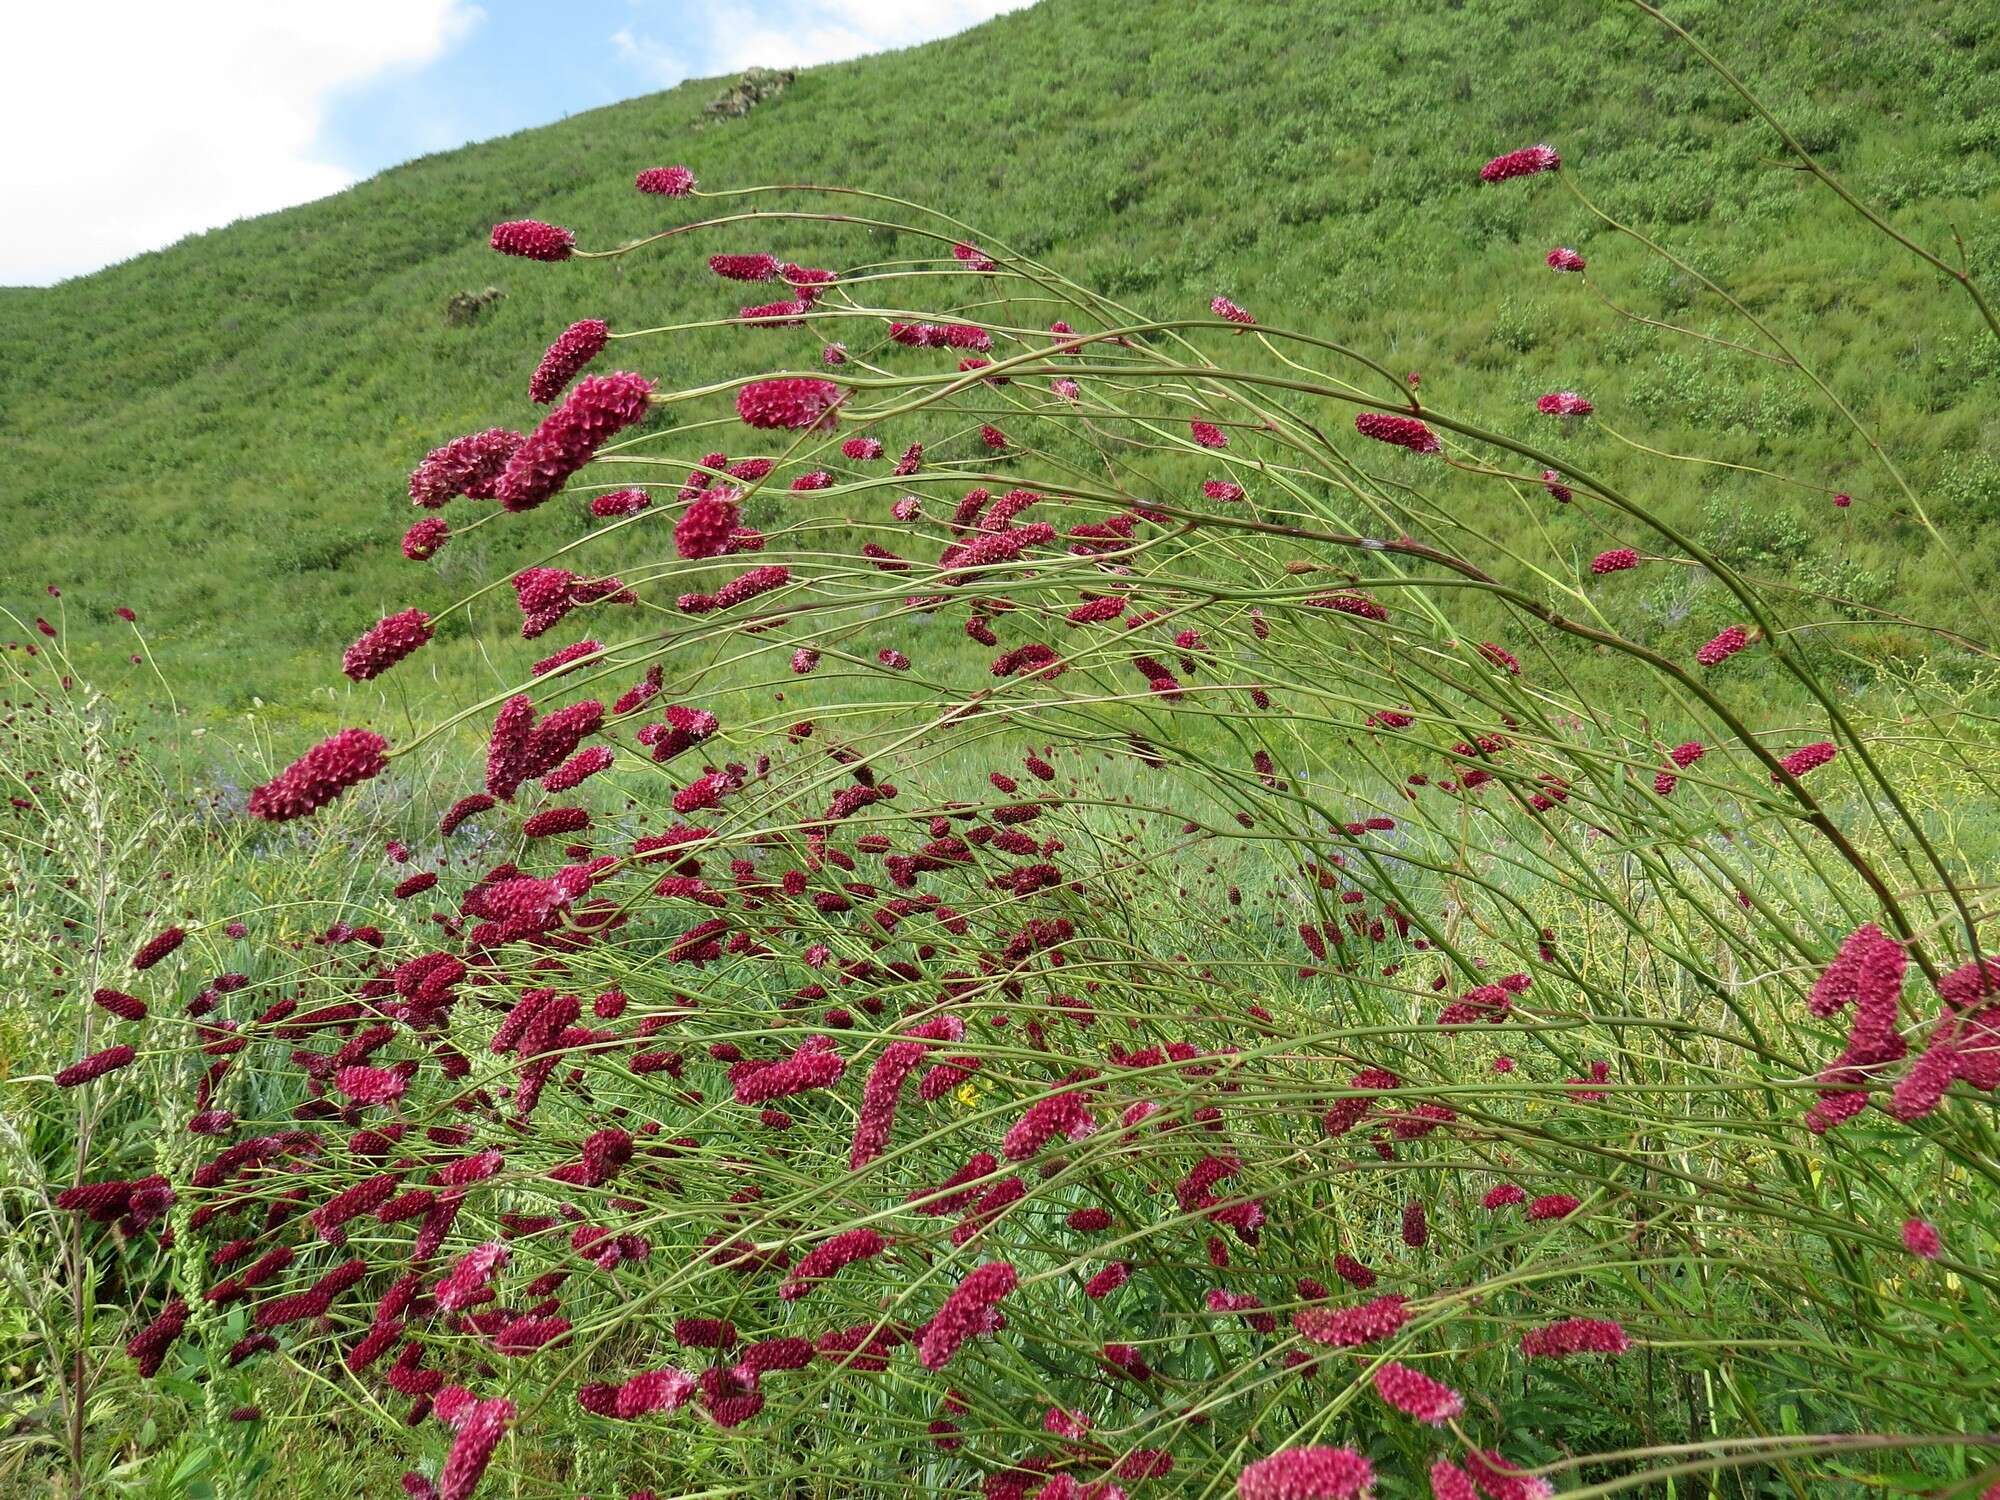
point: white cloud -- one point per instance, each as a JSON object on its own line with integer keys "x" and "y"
{"x": 131, "y": 123}
{"x": 648, "y": 58}
{"x": 737, "y": 34}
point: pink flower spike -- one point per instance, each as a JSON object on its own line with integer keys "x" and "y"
{"x": 1315, "y": 1473}
{"x": 1723, "y": 646}
{"x": 1808, "y": 758}
{"x": 422, "y": 541}
{"x": 1351, "y": 1327}
{"x": 1617, "y": 560}
{"x": 1500, "y": 1480}
{"x": 1570, "y": 1336}
{"x": 1415, "y": 1394}
{"x": 371, "y": 1085}
{"x": 1403, "y": 432}
{"x": 600, "y": 407}
{"x": 1564, "y": 404}
{"x": 965, "y": 1312}
{"x": 1526, "y": 162}
{"x": 665, "y": 182}
{"x": 579, "y": 344}
{"x": 385, "y": 643}
{"x": 479, "y": 1434}
{"x": 95, "y": 1066}
{"x": 531, "y": 239}
{"x": 331, "y": 767}
{"x": 794, "y": 403}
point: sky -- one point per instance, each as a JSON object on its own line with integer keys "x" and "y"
{"x": 133, "y": 123}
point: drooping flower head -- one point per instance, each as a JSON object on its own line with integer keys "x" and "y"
{"x": 1351, "y": 1327}
{"x": 469, "y": 466}
{"x": 1062, "y": 1114}
{"x": 1222, "y": 307}
{"x": 758, "y": 267}
{"x": 829, "y": 1257}
{"x": 1314, "y": 1473}
{"x": 813, "y": 1065}
{"x": 338, "y": 762}
{"x": 481, "y": 1425}
{"x": 367, "y": 1085}
{"x": 600, "y": 407}
{"x": 781, "y": 314}
{"x": 422, "y": 541}
{"x": 1523, "y": 163}
{"x": 158, "y": 946}
{"x": 385, "y": 643}
{"x": 1682, "y": 755}
{"x": 704, "y": 528}
{"x": 1105, "y": 1282}
{"x": 125, "y": 1007}
{"x": 149, "y": 1346}
{"x": 1358, "y": 605}
{"x": 665, "y": 182}
{"x": 1569, "y": 1336}
{"x": 793, "y": 403}
{"x": 967, "y": 1311}
{"x": 1868, "y": 970}
{"x": 1416, "y": 1394}
{"x": 577, "y": 346}
{"x": 531, "y": 239}
{"x": 1564, "y": 404}
{"x": 547, "y": 595}
{"x": 109, "y": 1060}
{"x": 1723, "y": 646}
{"x": 1403, "y": 432}
{"x": 1501, "y": 1480}
{"x": 808, "y": 280}
{"x": 1808, "y": 758}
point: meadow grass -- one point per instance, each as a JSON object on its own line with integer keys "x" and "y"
{"x": 158, "y": 850}
{"x": 1369, "y": 845}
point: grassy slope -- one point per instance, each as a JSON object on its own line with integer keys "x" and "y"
{"x": 217, "y": 434}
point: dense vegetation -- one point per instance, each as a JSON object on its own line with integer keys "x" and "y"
{"x": 1020, "y": 878}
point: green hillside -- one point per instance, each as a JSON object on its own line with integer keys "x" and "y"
{"x": 217, "y": 435}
